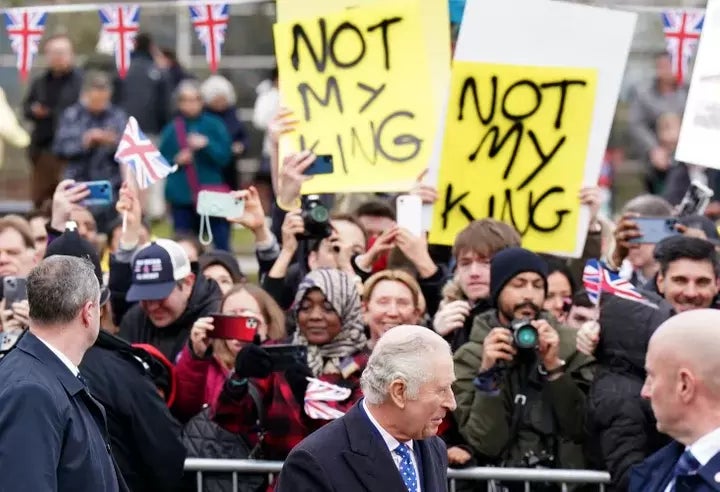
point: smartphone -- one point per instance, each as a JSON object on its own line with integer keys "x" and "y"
{"x": 696, "y": 199}
{"x": 217, "y": 204}
{"x": 234, "y": 327}
{"x": 286, "y": 357}
{"x": 101, "y": 193}
{"x": 655, "y": 229}
{"x": 409, "y": 213}
{"x": 14, "y": 290}
{"x": 323, "y": 164}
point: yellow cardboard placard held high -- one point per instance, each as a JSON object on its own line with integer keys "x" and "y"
{"x": 514, "y": 149}
{"x": 361, "y": 89}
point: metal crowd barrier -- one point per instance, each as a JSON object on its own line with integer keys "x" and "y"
{"x": 488, "y": 474}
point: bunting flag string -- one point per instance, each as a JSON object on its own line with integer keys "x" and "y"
{"x": 682, "y": 34}
{"x": 210, "y": 22}
{"x": 25, "y": 28}
{"x": 121, "y": 24}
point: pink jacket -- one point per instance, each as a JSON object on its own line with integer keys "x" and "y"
{"x": 199, "y": 381}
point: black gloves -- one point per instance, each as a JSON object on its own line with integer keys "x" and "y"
{"x": 296, "y": 379}
{"x": 253, "y": 362}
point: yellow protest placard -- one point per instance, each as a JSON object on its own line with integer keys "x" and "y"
{"x": 360, "y": 86}
{"x": 436, "y": 31}
{"x": 514, "y": 149}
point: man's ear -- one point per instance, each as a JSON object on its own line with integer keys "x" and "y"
{"x": 189, "y": 281}
{"x": 396, "y": 391}
{"x": 660, "y": 283}
{"x": 87, "y": 313}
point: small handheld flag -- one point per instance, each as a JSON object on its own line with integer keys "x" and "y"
{"x": 141, "y": 156}
{"x": 598, "y": 280}
{"x": 318, "y": 393}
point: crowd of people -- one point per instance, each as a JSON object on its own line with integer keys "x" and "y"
{"x": 544, "y": 377}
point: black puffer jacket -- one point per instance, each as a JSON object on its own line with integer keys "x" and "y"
{"x": 137, "y": 328}
{"x": 619, "y": 420}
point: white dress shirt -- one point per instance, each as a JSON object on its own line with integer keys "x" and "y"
{"x": 63, "y": 358}
{"x": 392, "y": 444}
{"x": 704, "y": 449}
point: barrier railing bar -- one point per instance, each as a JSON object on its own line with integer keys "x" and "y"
{"x": 477, "y": 473}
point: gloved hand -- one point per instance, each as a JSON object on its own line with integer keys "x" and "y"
{"x": 297, "y": 380}
{"x": 253, "y": 362}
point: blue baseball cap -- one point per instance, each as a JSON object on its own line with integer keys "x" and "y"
{"x": 156, "y": 268}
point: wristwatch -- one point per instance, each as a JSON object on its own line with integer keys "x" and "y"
{"x": 559, "y": 369}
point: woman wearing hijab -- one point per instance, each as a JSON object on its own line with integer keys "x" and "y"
{"x": 329, "y": 323}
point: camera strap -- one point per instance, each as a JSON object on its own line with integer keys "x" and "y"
{"x": 520, "y": 400}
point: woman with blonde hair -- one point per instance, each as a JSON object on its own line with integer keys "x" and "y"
{"x": 205, "y": 363}
{"x": 391, "y": 298}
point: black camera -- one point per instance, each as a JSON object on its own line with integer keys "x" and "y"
{"x": 525, "y": 335}
{"x": 316, "y": 219}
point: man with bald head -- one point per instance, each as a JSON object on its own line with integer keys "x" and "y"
{"x": 683, "y": 387}
{"x": 387, "y": 441}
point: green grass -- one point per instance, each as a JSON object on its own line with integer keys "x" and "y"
{"x": 242, "y": 239}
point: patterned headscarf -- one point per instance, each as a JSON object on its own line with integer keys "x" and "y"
{"x": 340, "y": 291}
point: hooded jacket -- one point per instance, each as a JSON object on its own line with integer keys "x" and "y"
{"x": 619, "y": 420}
{"x": 553, "y": 417}
{"x": 136, "y": 327}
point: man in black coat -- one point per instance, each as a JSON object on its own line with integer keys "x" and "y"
{"x": 51, "y": 93}
{"x": 170, "y": 296}
{"x": 387, "y": 440}
{"x": 145, "y": 438}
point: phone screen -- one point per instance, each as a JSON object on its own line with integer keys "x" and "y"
{"x": 234, "y": 327}
{"x": 14, "y": 290}
{"x": 286, "y": 357}
{"x": 323, "y": 164}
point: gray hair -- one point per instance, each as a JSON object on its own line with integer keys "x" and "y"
{"x": 403, "y": 353}
{"x": 648, "y": 206}
{"x": 217, "y": 85}
{"x": 59, "y": 287}
{"x": 186, "y": 85}
{"x": 98, "y": 81}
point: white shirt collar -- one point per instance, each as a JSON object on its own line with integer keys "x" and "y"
{"x": 63, "y": 358}
{"x": 390, "y": 441}
{"x": 706, "y": 447}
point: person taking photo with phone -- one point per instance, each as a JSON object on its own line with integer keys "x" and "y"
{"x": 330, "y": 331}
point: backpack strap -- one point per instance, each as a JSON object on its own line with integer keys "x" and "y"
{"x": 260, "y": 423}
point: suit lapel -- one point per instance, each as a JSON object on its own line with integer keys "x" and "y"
{"x": 428, "y": 467}
{"x": 655, "y": 473}
{"x": 369, "y": 457}
{"x": 32, "y": 345}
{"x": 711, "y": 473}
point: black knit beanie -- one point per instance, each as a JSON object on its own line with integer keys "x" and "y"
{"x": 510, "y": 262}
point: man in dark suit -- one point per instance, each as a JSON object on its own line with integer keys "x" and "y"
{"x": 387, "y": 440}
{"x": 53, "y": 434}
{"x": 683, "y": 387}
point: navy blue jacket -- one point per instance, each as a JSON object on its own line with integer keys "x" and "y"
{"x": 53, "y": 434}
{"x": 655, "y": 473}
{"x": 349, "y": 454}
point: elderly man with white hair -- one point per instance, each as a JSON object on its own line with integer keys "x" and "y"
{"x": 388, "y": 440}
{"x": 683, "y": 387}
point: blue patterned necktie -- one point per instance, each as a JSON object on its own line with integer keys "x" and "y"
{"x": 686, "y": 465}
{"x": 407, "y": 470}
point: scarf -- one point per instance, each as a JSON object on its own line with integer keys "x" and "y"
{"x": 340, "y": 291}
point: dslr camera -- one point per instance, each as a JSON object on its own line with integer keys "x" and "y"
{"x": 316, "y": 219}
{"x": 525, "y": 335}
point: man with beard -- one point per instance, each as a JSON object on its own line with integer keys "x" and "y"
{"x": 521, "y": 383}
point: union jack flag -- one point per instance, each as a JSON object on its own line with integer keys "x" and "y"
{"x": 121, "y": 24}
{"x": 210, "y": 23}
{"x": 318, "y": 393}
{"x": 682, "y": 33}
{"x": 25, "y": 28}
{"x": 598, "y": 280}
{"x": 139, "y": 154}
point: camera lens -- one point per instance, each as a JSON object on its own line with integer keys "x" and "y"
{"x": 526, "y": 337}
{"x": 319, "y": 214}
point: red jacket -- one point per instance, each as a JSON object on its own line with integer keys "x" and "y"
{"x": 285, "y": 421}
{"x": 199, "y": 381}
